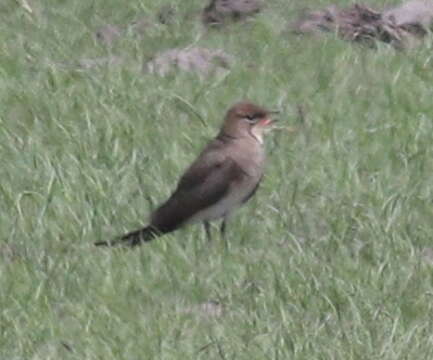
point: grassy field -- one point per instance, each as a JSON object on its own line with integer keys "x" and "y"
{"x": 331, "y": 259}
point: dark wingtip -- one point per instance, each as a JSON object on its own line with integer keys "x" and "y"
{"x": 116, "y": 242}
{"x": 131, "y": 239}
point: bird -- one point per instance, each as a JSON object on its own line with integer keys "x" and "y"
{"x": 224, "y": 176}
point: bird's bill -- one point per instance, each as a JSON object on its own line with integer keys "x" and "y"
{"x": 266, "y": 122}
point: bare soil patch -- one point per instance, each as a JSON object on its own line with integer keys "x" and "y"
{"x": 219, "y": 12}
{"x": 199, "y": 60}
{"x": 402, "y": 26}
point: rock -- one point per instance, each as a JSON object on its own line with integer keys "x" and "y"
{"x": 412, "y": 13}
{"x": 192, "y": 59}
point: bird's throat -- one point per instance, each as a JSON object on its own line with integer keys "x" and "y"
{"x": 257, "y": 133}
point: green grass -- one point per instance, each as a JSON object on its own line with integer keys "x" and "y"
{"x": 326, "y": 262}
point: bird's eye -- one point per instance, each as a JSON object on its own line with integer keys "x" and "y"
{"x": 250, "y": 118}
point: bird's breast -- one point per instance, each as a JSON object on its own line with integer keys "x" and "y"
{"x": 250, "y": 159}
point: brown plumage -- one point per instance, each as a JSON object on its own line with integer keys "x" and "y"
{"x": 223, "y": 177}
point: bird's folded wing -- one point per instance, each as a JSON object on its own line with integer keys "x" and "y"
{"x": 205, "y": 183}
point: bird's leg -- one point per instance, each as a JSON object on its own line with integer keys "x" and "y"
{"x": 207, "y": 230}
{"x": 223, "y": 228}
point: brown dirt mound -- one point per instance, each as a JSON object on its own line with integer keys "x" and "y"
{"x": 401, "y": 26}
{"x": 193, "y": 59}
{"x": 219, "y": 12}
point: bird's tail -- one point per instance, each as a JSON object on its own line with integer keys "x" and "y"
{"x": 132, "y": 239}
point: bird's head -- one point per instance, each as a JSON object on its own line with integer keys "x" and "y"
{"x": 245, "y": 119}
